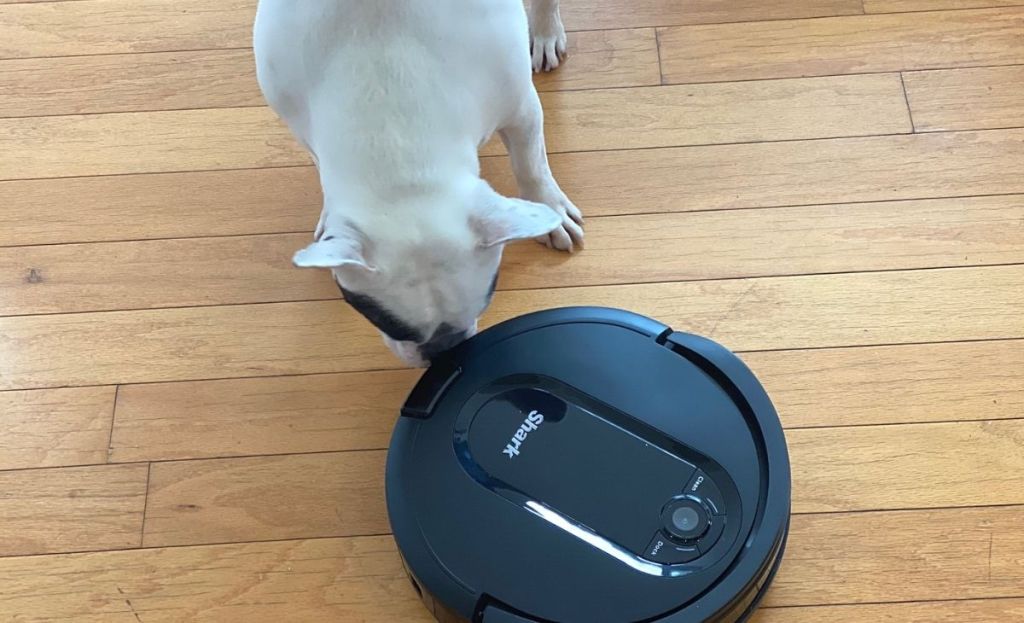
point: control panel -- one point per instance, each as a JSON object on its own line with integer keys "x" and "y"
{"x": 691, "y": 523}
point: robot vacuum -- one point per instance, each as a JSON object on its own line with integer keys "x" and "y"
{"x": 589, "y": 465}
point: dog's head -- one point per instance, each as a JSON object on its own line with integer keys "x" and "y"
{"x": 424, "y": 278}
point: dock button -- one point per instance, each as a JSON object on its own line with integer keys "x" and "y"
{"x": 663, "y": 550}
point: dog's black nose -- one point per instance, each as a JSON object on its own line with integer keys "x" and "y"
{"x": 444, "y": 339}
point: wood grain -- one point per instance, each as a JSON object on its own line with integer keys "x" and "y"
{"x": 628, "y": 182}
{"x": 130, "y": 207}
{"x": 146, "y": 142}
{"x": 896, "y": 6}
{"x": 227, "y": 78}
{"x": 628, "y": 249}
{"x": 361, "y": 579}
{"x": 856, "y": 386}
{"x": 233, "y": 138}
{"x": 161, "y": 421}
{"x": 725, "y": 113}
{"x": 882, "y": 467}
{"x": 296, "y": 496}
{"x": 326, "y": 336}
{"x": 54, "y": 427}
{"x": 904, "y": 556}
{"x": 842, "y": 45}
{"x": 960, "y": 99}
{"x": 128, "y": 82}
{"x": 158, "y": 273}
{"x": 583, "y": 14}
{"x": 777, "y": 241}
{"x": 190, "y": 343}
{"x": 780, "y": 174}
{"x": 606, "y": 59}
{"x": 814, "y": 311}
{"x": 351, "y": 580}
{"x": 856, "y": 468}
{"x": 71, "y": 509}
{"x": 81, "y": 27}
{"x": 959, "y": 611}
{"x": 355, "y": 411}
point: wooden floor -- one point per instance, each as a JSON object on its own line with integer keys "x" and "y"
{"x": 191, "y": 429}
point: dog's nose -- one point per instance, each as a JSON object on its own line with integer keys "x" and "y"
{"x": 443, "y": 340}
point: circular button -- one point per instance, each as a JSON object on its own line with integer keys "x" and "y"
{"x": 685, "y": 519}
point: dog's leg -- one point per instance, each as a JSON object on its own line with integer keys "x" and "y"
{"x": 524, "y": 139}
{"x": 547, "y": 35}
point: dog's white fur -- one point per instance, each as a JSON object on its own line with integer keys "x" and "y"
{"x": 393, "y": 98}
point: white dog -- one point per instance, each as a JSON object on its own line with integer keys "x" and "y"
{"x": 393, "y": 98}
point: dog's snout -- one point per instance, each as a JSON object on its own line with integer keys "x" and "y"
{"x": 444, "y": 339}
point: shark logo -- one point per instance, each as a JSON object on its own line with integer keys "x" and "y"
{"x": 530, "y": 424}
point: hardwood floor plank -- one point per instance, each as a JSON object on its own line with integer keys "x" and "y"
{"x": 356, "y": 411}
{"x": 127, "y": 207}
{"x": 961, "y": 99}
{"x": 361, "y": 579}
{"x": 801, "y": 240}
{"x": 226, "y": 500}
{"x": 189, "y": 343}
{"x": 204, "y": 419}
{"x": 603, "y": 59}
{"x": 145, "y": 142}
{"x": 227, "y": 78}
{"x": 583, "y": 15}
{"x": 896, "y": 6}
{"x": 643, "y": 181}
{"x": 724, "y": 113}
{"x": 860, "y": 468}
{"x": 71, "y": 509}
{"x": 326, "y": 336}
{"x": 351, "y": 580}
{"x": 858, "y": 384}
{"x": 158, "y": 273}
{"x": 186, "y": 140}
{"x": 128, "y": 82}
{"x": 80, "y": 27}
{"x": 960, "y": 611}
{"x": 628, "y": 249}
{"x": 779, "y": 174}
{"x": 906, "y": 556}
{"x": 842, "y": 45}
{"x": 882, "y": 467}
{"x": 55, "y": 427}
{"x": 814, "y": 311}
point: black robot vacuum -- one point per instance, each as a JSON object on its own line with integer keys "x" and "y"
{"x": 589, "y": 465}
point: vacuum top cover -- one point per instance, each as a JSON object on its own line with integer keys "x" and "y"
{"x": 588, "y": 465}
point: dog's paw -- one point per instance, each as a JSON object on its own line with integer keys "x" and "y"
{"x": 569, "y": 236}
{"x": 547, "y": 41}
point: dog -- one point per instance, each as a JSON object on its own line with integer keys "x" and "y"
{"x": 393, "y": 98}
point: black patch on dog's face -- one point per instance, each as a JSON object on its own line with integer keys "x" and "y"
{"x": 445, "y": 338}
{"x": 381, "y": 318}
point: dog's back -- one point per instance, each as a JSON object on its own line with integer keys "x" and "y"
{"x": 398, "y": 80}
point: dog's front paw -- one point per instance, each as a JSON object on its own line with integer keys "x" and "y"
{"x": 569, "y": 235}
{"x": 547, "y": 41}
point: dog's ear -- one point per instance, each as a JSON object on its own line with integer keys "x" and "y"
{"x": 334, "y": 251}
{"x": 502, "y": 219}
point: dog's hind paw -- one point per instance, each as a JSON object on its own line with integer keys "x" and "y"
{"x": 547, "y": 42}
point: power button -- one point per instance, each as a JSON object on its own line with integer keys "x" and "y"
{"x": 685, "y": 519}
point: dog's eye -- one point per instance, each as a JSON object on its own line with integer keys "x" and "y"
{"x": 381, "y": 318}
